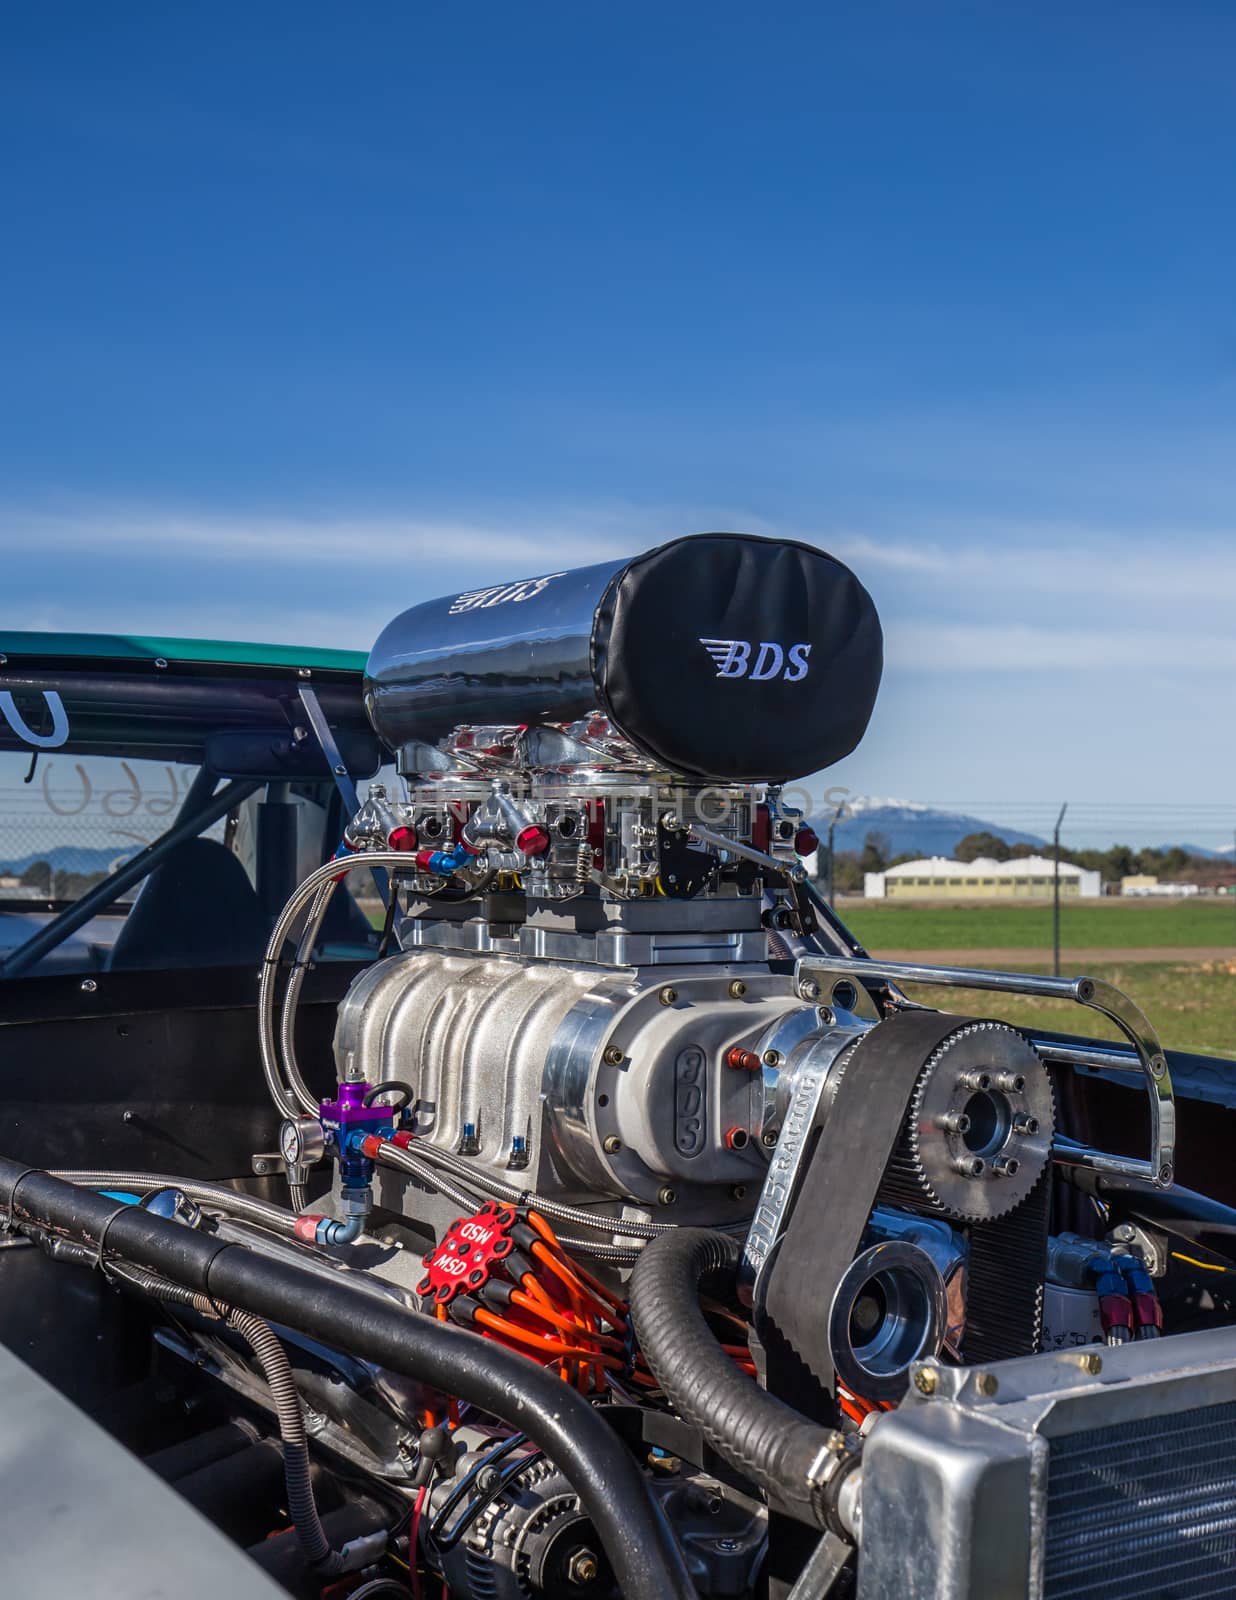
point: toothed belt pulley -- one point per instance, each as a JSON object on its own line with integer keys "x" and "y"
{"x": 977, "y": 1134}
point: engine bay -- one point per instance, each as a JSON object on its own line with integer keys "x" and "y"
{"x": 622, "y": 1226}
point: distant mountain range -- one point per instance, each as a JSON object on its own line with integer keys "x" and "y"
{"x": 908, "y": 828}
{"x": 911, "y": 829}
{"x": 69, "y": 858}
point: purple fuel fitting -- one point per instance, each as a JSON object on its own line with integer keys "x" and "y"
{"x": 347, "y": 1121}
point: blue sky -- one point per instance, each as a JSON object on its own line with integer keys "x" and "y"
{"x": 310, "y": 312}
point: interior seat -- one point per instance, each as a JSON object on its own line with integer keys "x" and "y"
{"x": 197, "y": 908}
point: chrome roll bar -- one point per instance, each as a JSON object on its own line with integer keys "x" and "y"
{"x": 880, "y": 980}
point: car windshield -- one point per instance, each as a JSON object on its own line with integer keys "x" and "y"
{"x": 161, "y": 821}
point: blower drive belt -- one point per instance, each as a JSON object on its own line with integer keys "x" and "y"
{"x": 862, "y": 1122}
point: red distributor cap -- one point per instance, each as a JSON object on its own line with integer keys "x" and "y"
{"x": 468, "y": 1253}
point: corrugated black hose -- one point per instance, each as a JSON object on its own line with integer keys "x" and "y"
{"x": 270, "y": 1355}
{"x": 631, "y": 1524}
{"x": 760, "y": 1436}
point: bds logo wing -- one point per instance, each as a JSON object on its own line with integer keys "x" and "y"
{"x": 730, "y": 655}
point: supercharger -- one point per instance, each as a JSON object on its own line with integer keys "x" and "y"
{"x": 583, "y": 1000}
{"x": 601, "y": 856}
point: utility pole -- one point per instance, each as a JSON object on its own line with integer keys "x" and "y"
{"x": 1055, "y": 905}
{"x": 832, "y": 828}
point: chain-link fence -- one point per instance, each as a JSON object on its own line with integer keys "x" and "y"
{"x": 65, "y": 824}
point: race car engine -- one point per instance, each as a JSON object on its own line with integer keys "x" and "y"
{"x": 639, "y": 1194}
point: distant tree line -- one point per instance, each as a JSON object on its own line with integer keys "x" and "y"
{"x": 1120, "y": 861}
{"x": 48, "y": 884}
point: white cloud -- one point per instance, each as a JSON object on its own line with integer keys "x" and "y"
{"x": 861, "y": 551}
{"x": 1012, "y": 596}
{"x": 1085, "y": 563}
{"x": 1024, "y": 648}
{"x": 387, "y": 542}
{"x": 1048, "y": 558}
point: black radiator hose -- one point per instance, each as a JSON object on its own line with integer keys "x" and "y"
{"x": 760, "y": 1436}
{"x": 646, "y": 1559}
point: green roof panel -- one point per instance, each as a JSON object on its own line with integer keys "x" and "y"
{"x": 212, "y": 652}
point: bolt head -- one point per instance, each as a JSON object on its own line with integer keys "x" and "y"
{"x": 1090, "y": 1361}
{"x": 613, "y": 1056}
{"x": 612, "y": 1144}
{"x": 737, "y": 989}
{"x": 926, "y": 1380}
{"x": 666, "y": 1195}
{"x": 583, "y": 1568}
{"x": 772, "y": 1058}
{"x": 987, "y": 1384}
{"x": 809, "y": 990}
{"x": 738, "y": 1191}
{"x": 668, "y": 996}
{"x": 769, "y": 1138}
{"x": 89, "y": 986}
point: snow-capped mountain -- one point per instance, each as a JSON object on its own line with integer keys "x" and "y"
{"x": 909, "y": 827}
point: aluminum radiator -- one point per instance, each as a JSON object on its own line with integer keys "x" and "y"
{"x": 1157, "y": 1496}
{"x": 1047, "y": 1478}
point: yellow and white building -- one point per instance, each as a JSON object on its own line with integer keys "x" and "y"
{"x": 939, "y": 878}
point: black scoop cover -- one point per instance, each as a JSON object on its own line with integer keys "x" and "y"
{"x": 721, "y": 657}
{"x": 729, "y": 656}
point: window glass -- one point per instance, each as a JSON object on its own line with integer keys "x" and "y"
{"x": 68, "y": 822}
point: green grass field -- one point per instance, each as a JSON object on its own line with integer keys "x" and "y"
{"x": 1084, "y": 924}
{"x": 1192, "y": 1007}
{"x": 1191, "y": 1002}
